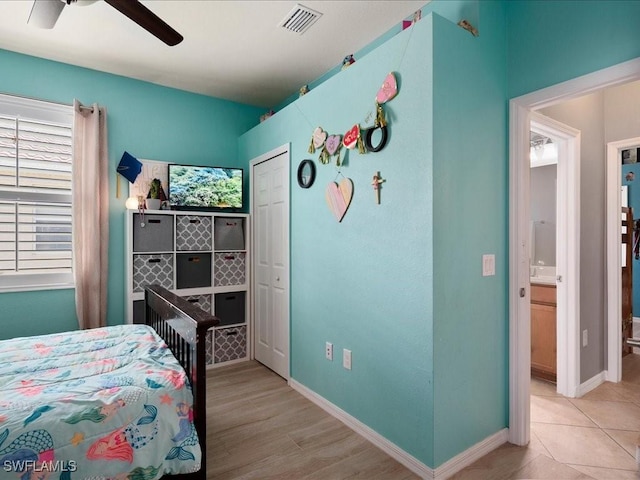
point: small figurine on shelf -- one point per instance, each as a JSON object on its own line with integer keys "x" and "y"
{"x": 267, "y": 115}
{"x": 304, "y": 90}
{"x": 348, "y": 61}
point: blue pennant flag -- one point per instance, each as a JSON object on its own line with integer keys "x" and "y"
{"x": 129, "y": 167}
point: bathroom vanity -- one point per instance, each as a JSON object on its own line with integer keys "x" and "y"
{"x": 543, "y": 330}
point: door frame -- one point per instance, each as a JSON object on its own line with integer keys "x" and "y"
{"x": 282, "y": 149}
{"x": 567, "y": 222}
{"x": 520, "y": 110}
{"x": 614, "y": 281}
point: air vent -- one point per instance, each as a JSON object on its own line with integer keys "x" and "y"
{"x": 299, "y": 19}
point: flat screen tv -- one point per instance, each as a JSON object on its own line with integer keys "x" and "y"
{"x": 205, "y": 188}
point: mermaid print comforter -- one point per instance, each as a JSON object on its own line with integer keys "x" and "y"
{"x": 107, "y": 403}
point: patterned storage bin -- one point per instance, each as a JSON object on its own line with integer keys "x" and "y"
{"x": 229, "y": 269}
{"x": 202, "y": 301}
{"x": 230, "y": 344}
{"x": 193, "y": 233}
{"x": 152, "y": 270}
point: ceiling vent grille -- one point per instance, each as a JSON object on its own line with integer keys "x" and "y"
{"x": 299, "y": 19}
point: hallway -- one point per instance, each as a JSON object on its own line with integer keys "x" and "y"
{"x": 593, "y": 437}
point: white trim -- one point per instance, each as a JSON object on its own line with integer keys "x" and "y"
{"x": 466, "y": 458}
{"x": 519, "y": 320}
{"x": 40, "y": 110}
{"x": 519, "y": 296}
{"x": 591, "y": 384}
{"x": 568, "y": 249}
{"x": 371, "y": 435}
{"x": 282, "y": 149}
{"x": 613, "y": 235}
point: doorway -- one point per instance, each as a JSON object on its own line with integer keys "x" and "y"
{"x": 270, "y": 259}
{"x": 567, "y": 250}
{"x": 521, "y": 111}
{"x": 614, "y": 259}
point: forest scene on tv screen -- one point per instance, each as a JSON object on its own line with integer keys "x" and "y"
{"x": 205, "y": 187}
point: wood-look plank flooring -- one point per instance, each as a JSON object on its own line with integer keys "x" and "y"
{"x": 260, "y": 428}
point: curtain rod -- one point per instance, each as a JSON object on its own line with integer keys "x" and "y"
{"x": 82, "y": 107}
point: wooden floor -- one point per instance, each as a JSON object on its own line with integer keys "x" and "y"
{"x": 259, "y": 427}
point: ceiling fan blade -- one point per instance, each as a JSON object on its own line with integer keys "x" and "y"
{"x": 147, "y": 20}
{"x": 45, "y": 13}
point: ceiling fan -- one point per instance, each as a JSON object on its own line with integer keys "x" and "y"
{"x": 45, "y": 13}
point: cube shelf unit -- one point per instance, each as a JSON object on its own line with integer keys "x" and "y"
{"x": 201, "y": 256}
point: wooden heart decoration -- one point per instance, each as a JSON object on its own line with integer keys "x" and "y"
{"x": 333, "y": 143}
{"x": 338, "y": 196}
{"x": 388, "y": 90}
{"x": 319, "y": 137}
{"x": 351, "y": 137}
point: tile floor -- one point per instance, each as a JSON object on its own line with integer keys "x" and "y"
{"x": 593, "y": 437}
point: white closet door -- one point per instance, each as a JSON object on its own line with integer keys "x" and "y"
{"x": 270, "y": 209}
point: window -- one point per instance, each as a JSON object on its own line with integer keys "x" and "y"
{"x": 36, "y": 146}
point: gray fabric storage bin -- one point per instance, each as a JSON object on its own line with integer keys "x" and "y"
{"x": 201, "y": 301}
{"x": 155, "y": 236}
{"x": 193, "y": 232}
{"x": 152, "y": 270}
{"x": 230, "y": 308}
{"x": 138, "y": 311}
{"x": 193, "y": 270}
{"x": 230, "y": 269}
{"x": 228, "y": 233}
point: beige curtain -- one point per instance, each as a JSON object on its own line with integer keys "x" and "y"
{"x": 90, "y": 214}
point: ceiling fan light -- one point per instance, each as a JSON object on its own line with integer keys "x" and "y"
{"x": 45, "y": 13}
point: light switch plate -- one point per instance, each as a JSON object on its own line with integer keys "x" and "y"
{"x": 488, "y": 265}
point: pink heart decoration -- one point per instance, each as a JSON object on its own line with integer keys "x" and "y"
{"x": 351, "y": 137}
{"x": 339, "y": 197}
{"x": 388, "y": 90}
{"x": 319, "y": 136}
{"x": 333, "y": 143}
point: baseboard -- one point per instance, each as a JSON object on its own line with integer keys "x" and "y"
{"x": 470, "y": 455}
{"x": 590, "y": 384}
{"x": 444, "y": 471}
{"x": 390, "y": 448}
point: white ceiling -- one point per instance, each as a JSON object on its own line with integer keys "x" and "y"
{"x": 231, "y": 49}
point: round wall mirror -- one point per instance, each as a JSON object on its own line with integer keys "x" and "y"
{"x": 306, "y": 173}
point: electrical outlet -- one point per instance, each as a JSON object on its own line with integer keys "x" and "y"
{"x": 585, "y": 338}
{"x": 328, "y": 350}
{"x": 346, "y": 359}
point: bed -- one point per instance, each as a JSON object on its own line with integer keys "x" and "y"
{"x": 119, "y": 402}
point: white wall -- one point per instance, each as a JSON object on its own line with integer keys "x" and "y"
{"x": 587, "y": 115}
{"x": 622, "y": 112}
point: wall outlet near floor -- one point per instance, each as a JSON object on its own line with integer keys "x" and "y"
{"x": 328, "y": 351}
{"x": 585, "y": 338}
{"x": 346, "y": 359}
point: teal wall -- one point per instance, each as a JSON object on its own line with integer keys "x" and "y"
{"x": 553, "y": 41}
{"x": 400, "y": 283}
{"x": 366, "y": 283}
{"x": 470, "y": 218}
{"x": 147, "y": 120}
